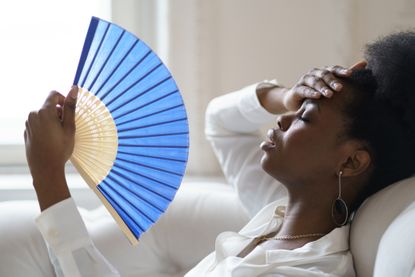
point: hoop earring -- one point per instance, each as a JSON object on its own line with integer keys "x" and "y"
{"x": 339, "y": 206}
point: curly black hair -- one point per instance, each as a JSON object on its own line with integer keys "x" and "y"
{"x": 382, "y": 110}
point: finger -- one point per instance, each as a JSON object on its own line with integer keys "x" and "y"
{"x": 25, "y": 136}
{"x": 359, "y": 65}
{"x": 339, "y": 70}
{"x": 306, "y": 92}
{"x": 69, "y": 107}
{"x": 27, "y": 126}
{"x": 32, "y": 117}
{"x": 54, "y": 98}
{"x": 59, "y": 110}
{"x": 330, "y": 80}
{"x": 318, "y": 84}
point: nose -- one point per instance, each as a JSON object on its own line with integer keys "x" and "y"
{"x": 284, "y": 121}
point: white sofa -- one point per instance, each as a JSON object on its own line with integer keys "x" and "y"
{"x": 382, "y": 233}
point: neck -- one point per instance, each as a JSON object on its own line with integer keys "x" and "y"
{"x": 307, "y": 213}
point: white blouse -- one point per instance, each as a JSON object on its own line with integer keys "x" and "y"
{"x": 232, "y": 123}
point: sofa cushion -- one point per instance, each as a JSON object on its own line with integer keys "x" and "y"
{"x": 396, "y": 252}
{"x": 373, "y": 218}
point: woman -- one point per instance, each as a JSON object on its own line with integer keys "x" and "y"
{"x": 340, "y": 136}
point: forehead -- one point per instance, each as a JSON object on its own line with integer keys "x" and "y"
{"x": 337, "y": 103}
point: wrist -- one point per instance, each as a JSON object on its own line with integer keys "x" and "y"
{"x": 271, "y": 97}
{"x": 51, "y": 188}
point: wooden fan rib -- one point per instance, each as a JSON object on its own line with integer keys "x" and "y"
{"x": 96, "y": 173}
{"x": 86, "y": 113}
{"x": 88, "y": 176}
{"x": 97, "y": 148}
{"x": 91, "y": 156}
{"x": 99, "y": 127}
{"x": 92, "y": 159}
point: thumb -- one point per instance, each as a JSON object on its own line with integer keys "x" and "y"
{"x": 69, "y": 107}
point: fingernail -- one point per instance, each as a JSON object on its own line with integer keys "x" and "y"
{"x": 73, "y": 93}
{"x": 337, "y": 86}
{"x": 346, "y": 71}
{"x": 329, "y": 93}
{"x": 324, "y": 91}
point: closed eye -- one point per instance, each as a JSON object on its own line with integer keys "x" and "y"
{"x": 300, "y": 115}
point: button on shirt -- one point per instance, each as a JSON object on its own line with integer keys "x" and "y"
{"x": 232, "y": 124}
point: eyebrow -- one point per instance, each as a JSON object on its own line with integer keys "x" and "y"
{"x": 309, "y": 101}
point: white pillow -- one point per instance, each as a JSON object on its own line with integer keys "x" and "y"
{"x": 373, "y": 218}
{"x": 396, "y": 252}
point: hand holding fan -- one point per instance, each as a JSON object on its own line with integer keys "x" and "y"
{"x": 132, "y": 136}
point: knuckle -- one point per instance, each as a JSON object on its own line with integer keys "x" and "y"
{"x": 32, "y": 115}
{"x": 324, "y": 72}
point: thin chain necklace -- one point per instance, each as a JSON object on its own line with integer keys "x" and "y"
{"x": 288, "y": 237}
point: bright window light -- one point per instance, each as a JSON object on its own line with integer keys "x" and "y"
{"x": 41, "y": 42}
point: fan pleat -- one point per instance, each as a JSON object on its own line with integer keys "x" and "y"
{"x": 163, "y": 155}
{"x": 144, "y": 68}
{"x": 149, "y": 166}
{"x": 99, "y": 40}
{"x": 179, "y": 107}
{"x": 153, "y": 101}
{"x": 105, "y": 51}
{"x": 148, "y": 190}
{"x": 134, "y": 227}
{"x": 136, "y": 201}
{"x": 150, "y": 89}
{"x": 108, "y": 72}
{"x": 100, "y": 68}
{"x": 132, "y": 135}
{"x": 115, "y": 80}
{"x": 177, "y": 166}
{"x": 134, "y": 86}
{"x": 141, "y": 108}
{"x": 165, "y": 182}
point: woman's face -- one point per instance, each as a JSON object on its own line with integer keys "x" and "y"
{"x": 305, "y": 145}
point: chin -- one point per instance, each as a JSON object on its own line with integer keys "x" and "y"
{"x": 267, "y": 164}
{"x": 273, "y": 168}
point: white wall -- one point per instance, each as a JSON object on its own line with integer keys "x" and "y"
{"x": 216, "y": 46}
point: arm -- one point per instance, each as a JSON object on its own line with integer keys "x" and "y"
{"x": 232, "y": 124}
{"x": 49, "y": 141}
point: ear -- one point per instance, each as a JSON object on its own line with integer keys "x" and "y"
{"x": 356, "y": 160}
{"x": 359, "y": 65}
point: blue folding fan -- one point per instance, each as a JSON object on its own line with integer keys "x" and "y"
{"x": 132, "y": 136}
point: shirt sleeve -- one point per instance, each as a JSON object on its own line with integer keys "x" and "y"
{"x": 70, "y": 247}
{"x": 232, "y": 127}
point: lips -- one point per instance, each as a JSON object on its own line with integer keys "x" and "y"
{"x": 270, "y": 142}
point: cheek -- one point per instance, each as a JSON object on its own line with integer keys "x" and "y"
{"x": 300, "y": 153}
